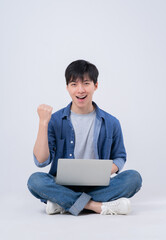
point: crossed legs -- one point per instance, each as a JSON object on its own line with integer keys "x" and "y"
{"x": 74, "y": 200}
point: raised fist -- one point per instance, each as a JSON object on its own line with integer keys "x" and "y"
{"x": 44, "y": 112}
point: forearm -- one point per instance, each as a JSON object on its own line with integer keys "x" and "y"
{"x": 41, "y": 148}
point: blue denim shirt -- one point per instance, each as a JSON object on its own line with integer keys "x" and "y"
{"x": 108, "y": 138}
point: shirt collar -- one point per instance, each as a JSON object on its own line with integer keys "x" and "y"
{"x": 66, "y": 112}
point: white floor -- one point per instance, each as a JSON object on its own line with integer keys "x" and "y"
{"x": 23, "y": 217}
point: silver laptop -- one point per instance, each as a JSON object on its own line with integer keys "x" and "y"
{"x": 84, "y": 172}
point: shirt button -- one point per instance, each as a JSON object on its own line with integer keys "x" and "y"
{"x": 71, "y": 142}
{"x": 70, "y": 154}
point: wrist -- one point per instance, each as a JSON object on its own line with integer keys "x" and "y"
{"x": 43, "y": 123}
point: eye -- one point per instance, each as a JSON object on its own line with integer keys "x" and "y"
{"x": 73, "y": 84}
{"x": 87, "y": 83}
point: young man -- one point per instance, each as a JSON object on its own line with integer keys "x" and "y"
{"x": 81, "y": 130}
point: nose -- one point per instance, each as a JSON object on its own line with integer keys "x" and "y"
{"x": 81, "y": 88}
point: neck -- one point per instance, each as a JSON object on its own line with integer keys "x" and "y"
{"x": 83, "y": 110}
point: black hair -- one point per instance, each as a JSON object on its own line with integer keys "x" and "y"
{"x": 78, "y": 69}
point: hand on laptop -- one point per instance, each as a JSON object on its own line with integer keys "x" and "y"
{"x": 114, "y": 169}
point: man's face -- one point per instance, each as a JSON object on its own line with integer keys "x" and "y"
{"x": 81, "y": 92}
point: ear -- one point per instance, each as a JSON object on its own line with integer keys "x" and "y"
{"x": 96, "y": 86}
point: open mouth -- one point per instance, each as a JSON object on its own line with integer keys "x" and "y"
{"x": 81, "y": 97}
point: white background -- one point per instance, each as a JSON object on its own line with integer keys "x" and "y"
{"x": 126, "y": 40}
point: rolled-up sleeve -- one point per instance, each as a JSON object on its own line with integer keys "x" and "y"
{"x": 118, "y": 152}
{"x": 38, "y": 164}
{"x": 119, "y": 162}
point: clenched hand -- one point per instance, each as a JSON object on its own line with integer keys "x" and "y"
{"x": 44, "y": 112}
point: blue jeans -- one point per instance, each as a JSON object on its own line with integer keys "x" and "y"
{"x": 74, "y": 198}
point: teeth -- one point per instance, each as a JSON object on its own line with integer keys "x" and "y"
{"x": 82, "y": 97}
